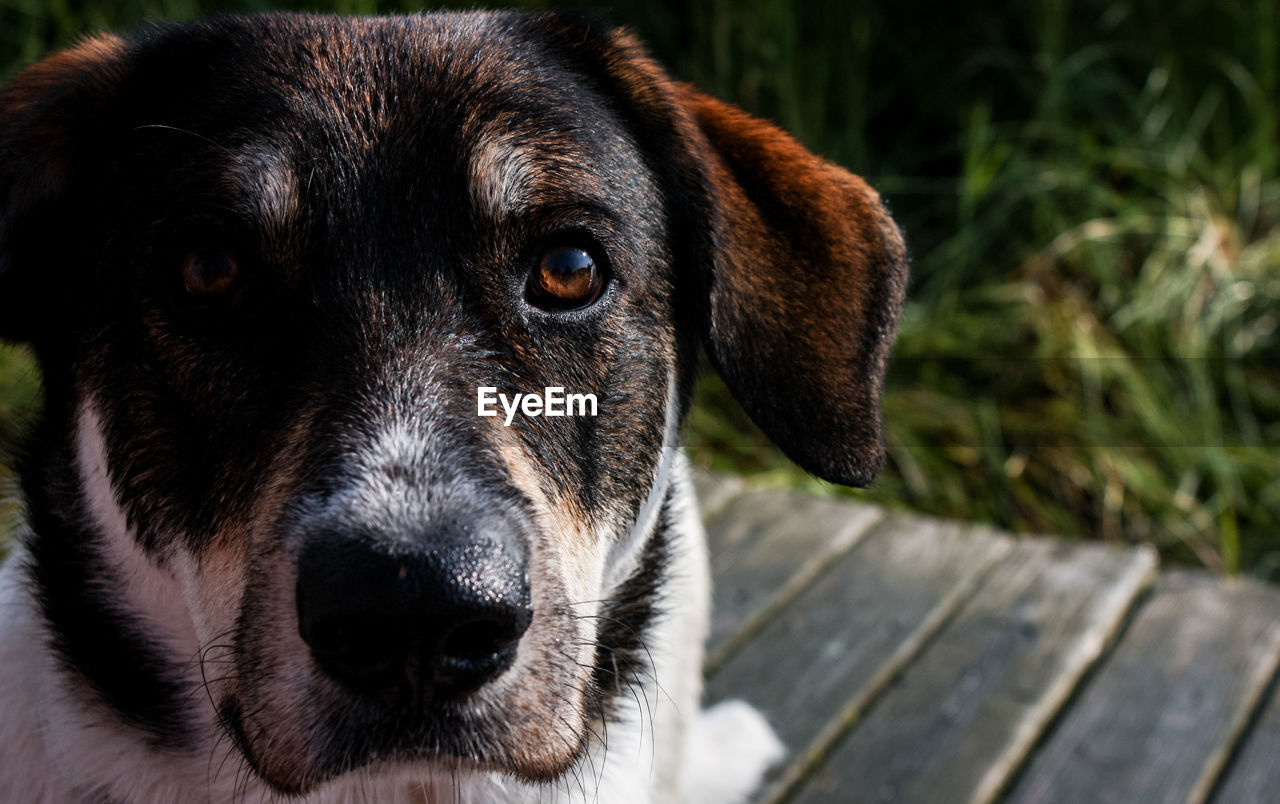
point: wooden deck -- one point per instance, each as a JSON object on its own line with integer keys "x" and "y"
{"x": 902, "y": 658}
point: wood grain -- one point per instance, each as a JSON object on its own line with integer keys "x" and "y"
{"x": 1254, "y": 775}
{"x": 826, "y": 656}
{"x": 765, "y": 547}
{"x": 966, "y": 712}
{"x": 1163, "y": 713}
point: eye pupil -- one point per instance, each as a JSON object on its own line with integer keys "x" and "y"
{"x": 209, "y": 271}
{"x": 565, "y": 278}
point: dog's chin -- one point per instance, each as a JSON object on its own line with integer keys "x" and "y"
{"x": 348, "y": 735}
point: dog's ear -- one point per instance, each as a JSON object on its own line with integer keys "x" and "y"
{"x": 806, "y": 281}
{"x": 47, "y": 114}
{"x": 802, "y": 269}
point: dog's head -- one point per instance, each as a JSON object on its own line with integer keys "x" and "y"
{"x": 266, "y": 263}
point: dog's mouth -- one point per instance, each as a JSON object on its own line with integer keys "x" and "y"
{"x": 435, "y": 653}
{"x": 348, "y": 733}
{"x": 529, "y": 722}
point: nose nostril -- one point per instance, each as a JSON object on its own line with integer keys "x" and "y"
{"x": 477, "y": 651}
{"x": 366, "y": 655}
{"x": 476, "y": 640}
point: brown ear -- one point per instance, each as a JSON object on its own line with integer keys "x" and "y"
{"x": 45, "y": 114}
{"x": 802, "y": 270}
{"x": 806, "y": 282}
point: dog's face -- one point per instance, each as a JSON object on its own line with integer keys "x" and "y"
{"x": 266, "y": 264}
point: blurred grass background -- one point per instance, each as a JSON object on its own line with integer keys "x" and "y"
{"x": 1092, "y": 193}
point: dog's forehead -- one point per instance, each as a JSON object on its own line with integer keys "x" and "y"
{"x": 433, "y": 110}
{"x": 491, "y": 81}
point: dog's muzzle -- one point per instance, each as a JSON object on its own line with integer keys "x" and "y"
{"x": 425, "y": 618}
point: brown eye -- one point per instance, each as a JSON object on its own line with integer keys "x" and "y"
{"x": 209, "y": 272}
{"x": 565, "y": 278}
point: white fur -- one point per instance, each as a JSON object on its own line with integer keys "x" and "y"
{"x": 500, "y": 175}
{"x": 728, "y": 746}
{"x": 265, "y": 176}
{"x": 152, "y": 592}
{"x": 624, "y": 554}
{"x": 24, "y": 670}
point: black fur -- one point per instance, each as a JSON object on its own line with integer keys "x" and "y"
{"x": 623, "y": 665}
{"x": 114, "y": 649}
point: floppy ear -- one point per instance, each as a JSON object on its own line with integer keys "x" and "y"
{"x": 46, "y": 114}
{"x": 806, "y": 280}
{"x": 801, "y": 270}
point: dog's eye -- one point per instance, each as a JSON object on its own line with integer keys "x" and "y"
{"x": 565, "y": 278}
{"x": 209, "y": 272}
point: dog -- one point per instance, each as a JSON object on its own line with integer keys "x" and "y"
{"x": 270, "y": 549}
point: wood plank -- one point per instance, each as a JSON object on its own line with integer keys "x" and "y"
{"x": 765, "y": 547}
{"x": 965, "y": 713}
{"x": 714, "y": 490}
{"x": 825, "y": 657}
{"x": 1254, "y": 775}
{"x": 1159, "y": 719}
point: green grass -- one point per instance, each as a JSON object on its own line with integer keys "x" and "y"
{"x": 1092, "y": 194}
{"x": 19, "y": 397}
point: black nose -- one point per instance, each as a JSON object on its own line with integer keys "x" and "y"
{"x": 441, "y": 614}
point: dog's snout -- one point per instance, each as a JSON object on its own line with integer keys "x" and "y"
{"x": 436, "y": 616}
